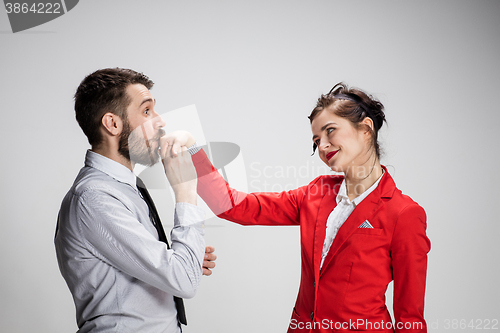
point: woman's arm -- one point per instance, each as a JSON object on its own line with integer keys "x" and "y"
{"x": 409, "y": 249}
{"x": 245, "y": 208}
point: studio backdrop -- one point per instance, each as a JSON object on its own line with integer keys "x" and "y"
{"x": 248, "y": 73}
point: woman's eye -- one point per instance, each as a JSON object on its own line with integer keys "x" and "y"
{"x": 146, "y": 111}
{"x": 316, "y": 142}
{"x": 330, "y": 130}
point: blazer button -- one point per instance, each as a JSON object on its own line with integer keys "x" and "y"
{"x": 314, "y": 284}
{"x": 312, "y": 315}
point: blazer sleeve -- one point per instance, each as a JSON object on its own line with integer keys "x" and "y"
{"x": 409, "y": 249}
{"x": 266, "y": 208}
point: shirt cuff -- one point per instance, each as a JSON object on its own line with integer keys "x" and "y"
{"x": 187, "y": 215}
{"x": 194, "y": 148}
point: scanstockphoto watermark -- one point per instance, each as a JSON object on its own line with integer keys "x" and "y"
{"x": 464, "y": 324}
{"x": 269, "y": 178}
{"x": 266, "y": 178}
{"x": 358, "y": 324}
{"x": 27, "y": 14}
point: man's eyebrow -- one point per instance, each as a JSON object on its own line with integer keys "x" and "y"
{"x": 323, "y": 128}
{"x": 148, "y": 100}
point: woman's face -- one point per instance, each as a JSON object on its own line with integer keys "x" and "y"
{"x": 340, "y": 145}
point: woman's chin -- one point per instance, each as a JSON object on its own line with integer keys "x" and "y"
{"x": 336, "y": 168}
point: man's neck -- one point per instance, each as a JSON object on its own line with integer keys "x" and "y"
{"x": 114, "y": 155}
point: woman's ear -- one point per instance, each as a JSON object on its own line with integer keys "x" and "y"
{"x": 366, "y": 130}
{"x": 368, "y": 122}
{"x": 112, "y": 123}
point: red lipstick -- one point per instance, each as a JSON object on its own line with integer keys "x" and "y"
{"x": 331, "y": 154}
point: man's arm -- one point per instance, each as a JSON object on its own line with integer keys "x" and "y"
{"x": 180, "y": 172}
{"x": 113, "y": 233}
{"x": 182, "y": 176}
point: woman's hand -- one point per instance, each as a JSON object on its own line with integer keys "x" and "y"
{"x": 177, "y": 140}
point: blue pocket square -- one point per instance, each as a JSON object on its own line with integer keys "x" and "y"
{"x": 366, "y": 224}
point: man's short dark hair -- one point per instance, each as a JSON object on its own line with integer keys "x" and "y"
{"x": 101, "y": 92}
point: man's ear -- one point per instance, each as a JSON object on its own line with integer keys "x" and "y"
{"x": 112, "y": 123}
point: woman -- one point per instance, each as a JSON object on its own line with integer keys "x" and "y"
{"x": 358, "y": 231}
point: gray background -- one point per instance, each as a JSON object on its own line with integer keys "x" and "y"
{"x": 254, "y": 70}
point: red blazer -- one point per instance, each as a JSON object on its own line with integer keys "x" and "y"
{"x": 348, "y": 293}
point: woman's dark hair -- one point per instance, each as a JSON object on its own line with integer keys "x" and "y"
{"x": 101, "y": 92}
{"x": 354, "y": 105}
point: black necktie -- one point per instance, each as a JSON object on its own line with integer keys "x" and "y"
{"x": 155, "y": 219}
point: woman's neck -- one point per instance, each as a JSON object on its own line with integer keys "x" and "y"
{"x": 359, "y": 178}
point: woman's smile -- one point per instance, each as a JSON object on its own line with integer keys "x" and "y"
{"x": 331, "y": 154}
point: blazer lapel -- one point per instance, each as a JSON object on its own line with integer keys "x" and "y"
{"x": 364, "y": 211}
{"x": 327, "y": 204}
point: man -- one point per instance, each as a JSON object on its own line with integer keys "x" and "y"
{"x": 110, "y": 245}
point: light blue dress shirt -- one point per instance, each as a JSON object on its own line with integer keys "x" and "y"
{"x": 121, "y": 276}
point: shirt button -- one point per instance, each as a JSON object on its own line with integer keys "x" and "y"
{"x": 312, "y": 315}
{"x": 314, "y": 284}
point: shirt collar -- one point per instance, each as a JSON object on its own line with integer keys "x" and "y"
{"x": 112, "y": 168}
{"x": 342, "y": 195}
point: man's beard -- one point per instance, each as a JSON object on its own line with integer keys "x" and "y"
{"x": 134, "y": 146}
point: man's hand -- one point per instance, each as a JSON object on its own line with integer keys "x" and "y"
{"x": 180, "y": 172}
{"x": 208, "y": 262}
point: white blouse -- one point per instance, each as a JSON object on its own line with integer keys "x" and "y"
{"x": 341, "y": 213}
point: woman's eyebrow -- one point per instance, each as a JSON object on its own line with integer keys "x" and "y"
{"x": 323, "y": 128}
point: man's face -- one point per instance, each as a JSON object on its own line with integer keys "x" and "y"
{"x": 140, "y": 137}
